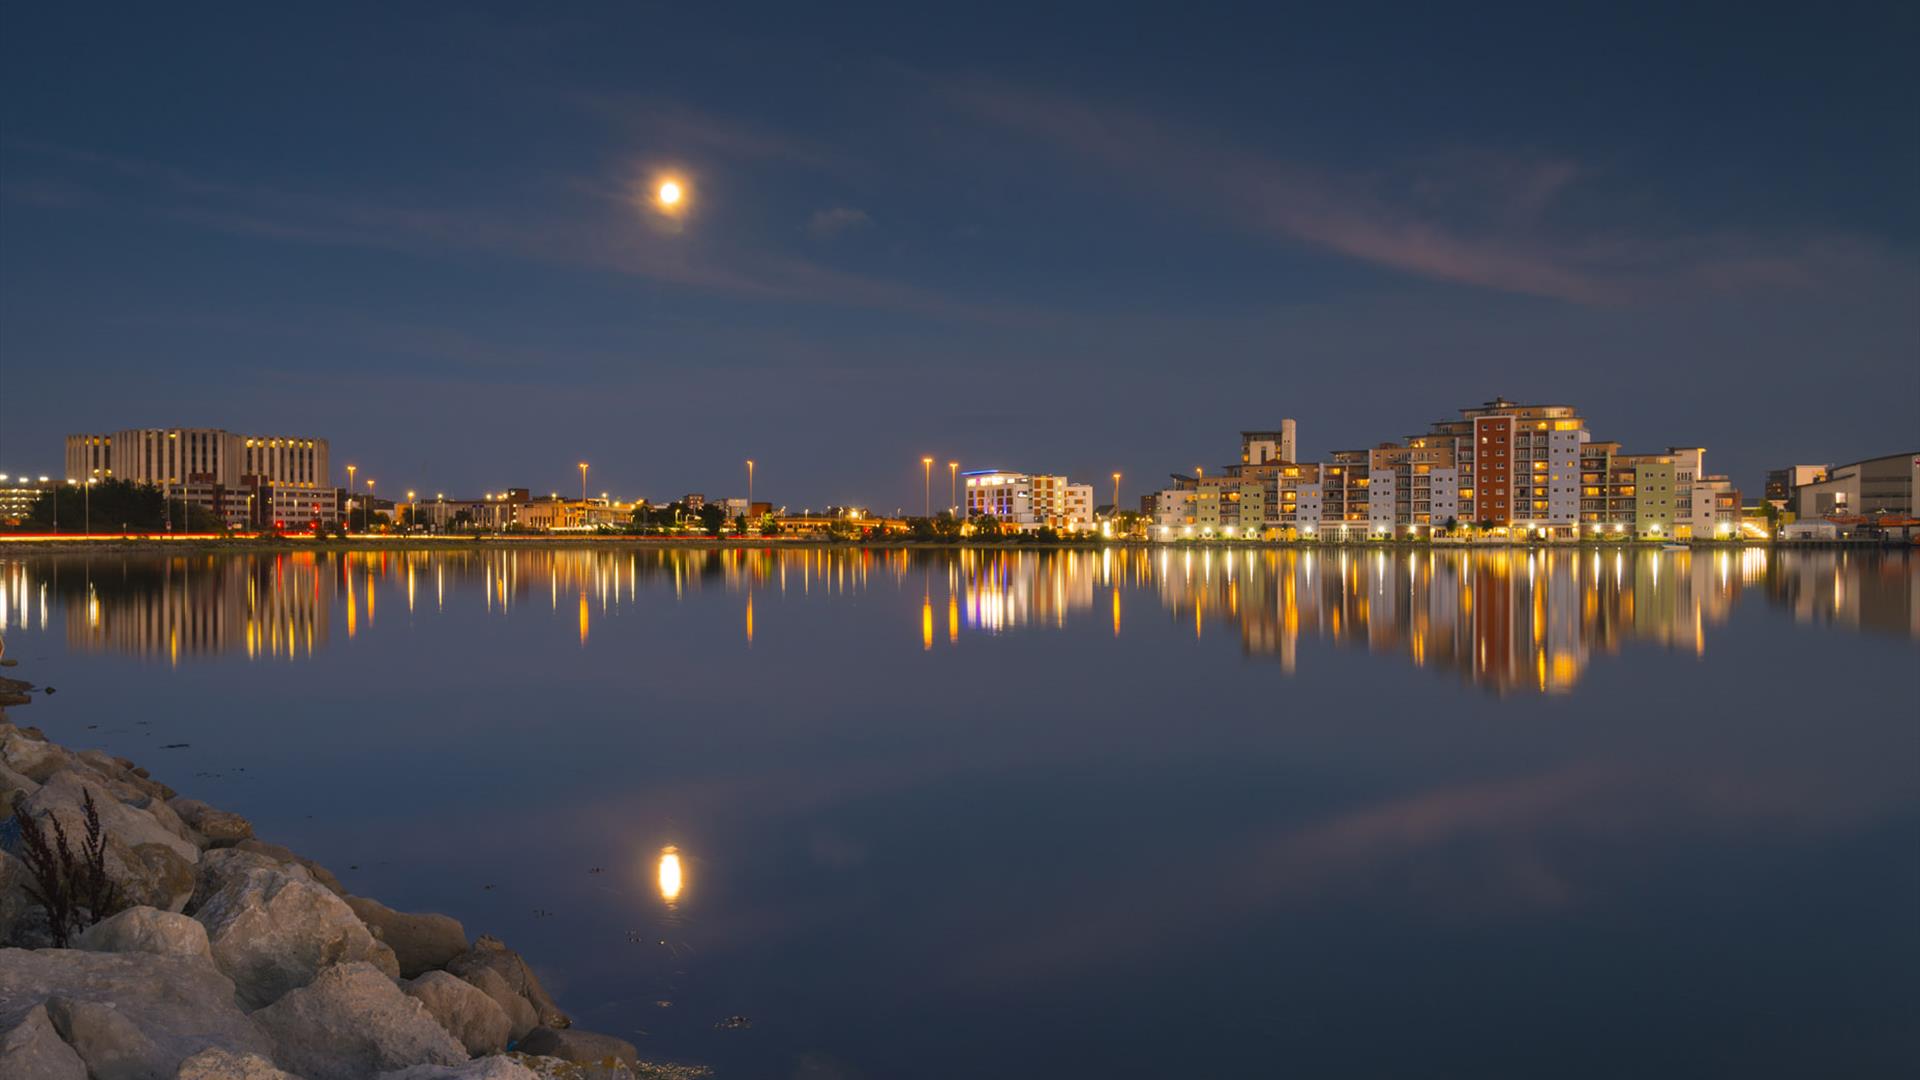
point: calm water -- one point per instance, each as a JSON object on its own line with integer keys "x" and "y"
{"x": 1087, "y": 814}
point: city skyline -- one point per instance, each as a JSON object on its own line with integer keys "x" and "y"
{"x": 935, "y": 241}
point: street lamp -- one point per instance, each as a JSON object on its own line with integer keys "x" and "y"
{"x": 583, "y": 481}
{"x": 1116, "y": 496}
{"x": 413, "y": 511}
{"x": 749, "y": 485}
{"x": 350, "y": 488}
{"x": 953, "y": 486}
{"x": 926, "y": 507}
{"x": 369, "y": 505}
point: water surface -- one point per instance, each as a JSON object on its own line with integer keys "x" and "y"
{"x": 1120, "y": 813}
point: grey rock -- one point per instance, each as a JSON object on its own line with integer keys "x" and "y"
{"x": 350, "y": 1022}
{"x": 110, "y": 1042}
{"x": 148, "y": 930}
{"x": 272, "y": 932}
{"x": 14, "y": 783}
{"x": 62, "y": 795}
{"x": 576, "y": 1045}
{"x": 33, "y": 757}
{"x": 167, "y": 817}
{"x": 155, "y": 875}
{"x": 464, "y": 1010}
{"x": 281, "y": 855}
{"x": 127, "y": 1014}
{"x": 221, "y": 867}
{"x": 216, "y": 1064}
{"x": 492, "y": 953}
{"x": 222, "y": 828}
{"x": 421, "y": 942}
{"x": 553, "y": 1068}
{"x": 148, "y": 863}
{"x": 34, "y": 1049}
{"x": 521, "y": 1017}
{"x": 486, "y": 1068}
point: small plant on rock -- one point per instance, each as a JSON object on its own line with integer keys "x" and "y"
{"x": 73, "y": 887}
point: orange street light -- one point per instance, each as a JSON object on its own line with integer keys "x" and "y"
{"x": 583, "y": 481}
{"x": 953, "y": 486}
{"x": 926, "y": 508}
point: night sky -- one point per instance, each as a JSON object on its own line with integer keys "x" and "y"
{"x": 1074, "y": 240}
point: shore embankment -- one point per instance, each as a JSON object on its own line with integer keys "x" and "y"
{"x": 144, "y": 933}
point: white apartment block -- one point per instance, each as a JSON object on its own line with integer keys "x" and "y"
{"x": 1029, "y": 501}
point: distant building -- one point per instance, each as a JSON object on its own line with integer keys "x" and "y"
{"x": 1029, "y": 501}
{"x": 245, "y": 480}
{"x": 18, "y": 494}
{"x": 1260, "y": 447}
{"x": 1782, "y": 482}
{"x": 1872, "y": 488}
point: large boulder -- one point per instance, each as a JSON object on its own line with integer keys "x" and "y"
{"x": 217, "y": 1064}
{"x": 34, "y": 1049}
{"x": 222, "y": 828}
{"x": 127, "y": 1014}
{"x": 62, "y": 796}
{"x": 33, "y": 757}
{"x": 352, "y": 1021}
{"x": 155, "y": 875}
{"x": 576, "y": 1045}
{"x": 464, "y": 1010}
{"x": 520, "y": 1013}
{"x": 281, "y": 855}
{"x": 487, "y": 1068}
{"x": 150, "y": 864}
{"x": 492, "y": 954}
{"x": 273, "y": 931}
{"x": 421, "y": 942}
{"x": 147, "y": 930}
{"x": 14, "y": 783}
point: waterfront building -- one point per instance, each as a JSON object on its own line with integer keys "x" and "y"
{"x": 18, "y": 494}
{"x": 1782, "y": 482}
{"x": 1876, "y": 487}
{"x": 245, "y": 480}
{"x": 164, "y": 456}
{"x": 1029, "y": 501}
{"x": 1260, "y": 447}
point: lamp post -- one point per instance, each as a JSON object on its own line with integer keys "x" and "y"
{"x": 350, "y": 489}
{"x": 749, "y": 485}
{"x": 583, "y": 481}
{"x": 1116, "y": 496}
{"x": 926, "y": 498}
{"x": 440, "y": 512}
{"x": 413, "y": 511}
{"x": 369, "y": 504}
{"x": 953, "y": 487}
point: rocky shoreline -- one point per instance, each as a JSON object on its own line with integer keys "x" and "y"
{"x": 226, "y": 957}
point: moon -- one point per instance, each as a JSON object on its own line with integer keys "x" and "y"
{"x": 670, "y": 193}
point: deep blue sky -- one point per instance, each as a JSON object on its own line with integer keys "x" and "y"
{"x": 1072, "y": 239}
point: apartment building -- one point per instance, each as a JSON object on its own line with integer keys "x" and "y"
{"x": 1029, "y": 501}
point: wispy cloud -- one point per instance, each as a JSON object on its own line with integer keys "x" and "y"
{"x": 598, "y": 229}
{"x": 1472, "y": 218}
{"x": 839, "y": 219}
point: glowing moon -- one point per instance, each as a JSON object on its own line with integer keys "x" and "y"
{"x": 670, "y": 193}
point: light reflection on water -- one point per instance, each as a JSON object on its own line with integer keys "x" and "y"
{"x": 1122, "y": 812}
{"x": 1510, "y": 620}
